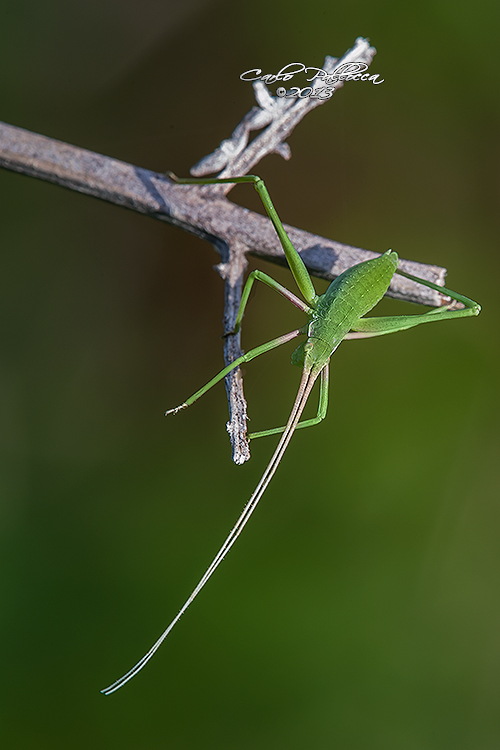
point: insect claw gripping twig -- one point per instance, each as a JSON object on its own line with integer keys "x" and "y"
{"x": 176, "y": 409}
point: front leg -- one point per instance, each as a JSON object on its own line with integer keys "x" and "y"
{"x": 262, "y": 349}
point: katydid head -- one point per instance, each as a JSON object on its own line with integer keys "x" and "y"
{"x": 317, "y": 352}
{"x": 311, "y": 356}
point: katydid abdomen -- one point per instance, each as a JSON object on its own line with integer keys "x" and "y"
{"x": 354, "y": 293}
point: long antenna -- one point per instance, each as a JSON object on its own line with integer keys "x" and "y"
{"x": 306, "y": 384}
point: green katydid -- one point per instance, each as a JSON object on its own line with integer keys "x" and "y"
{"x": 336, "y": 315}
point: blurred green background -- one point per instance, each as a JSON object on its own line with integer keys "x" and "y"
{"x": 360, "y": 608}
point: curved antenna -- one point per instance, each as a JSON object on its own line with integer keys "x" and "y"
{"x": 306, "y": 384}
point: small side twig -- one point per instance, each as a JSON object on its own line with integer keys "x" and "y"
{"x": 280, "y": 116}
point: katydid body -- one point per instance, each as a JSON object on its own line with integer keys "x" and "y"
{"x": 333, "y": 316}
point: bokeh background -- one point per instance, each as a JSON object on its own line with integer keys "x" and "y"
{"x": 360, "y": 608}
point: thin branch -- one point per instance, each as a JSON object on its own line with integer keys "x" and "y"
{"x": 218, "y": 221}
{"x": 204, "y": 211}
{"x": 281, "y": 115}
